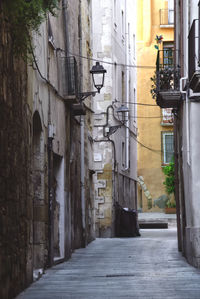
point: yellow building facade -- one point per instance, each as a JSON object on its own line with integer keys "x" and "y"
{"x": 155, "y": 125}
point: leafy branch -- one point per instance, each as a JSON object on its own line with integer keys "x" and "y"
{"x": 153, "y": 86}
{"x": 164, "y": 80}
{"x": 169, "y": 178}
{"x": 23, "y": 17}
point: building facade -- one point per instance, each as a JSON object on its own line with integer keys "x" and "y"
{"x": 115, "y": 147}
{"x": 47, "y": 207}
{"x": 187, "y": 44}
{"x": 155, "y": 33}
{"x": 183, "y": 96}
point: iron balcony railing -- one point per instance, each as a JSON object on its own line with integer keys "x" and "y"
{"x": 72, "y": 75}
{"x": 167, "y": 71}
{"x": 166, "y": 17}
{"x": 68, "y": 76}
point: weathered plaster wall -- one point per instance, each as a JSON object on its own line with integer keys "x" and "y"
{"x": 103, "y": 189}
{"x": 109, "y": 45}
{"x": 190, "y": 153}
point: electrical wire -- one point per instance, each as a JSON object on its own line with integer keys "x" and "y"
{"x": 144, "y": 117}
{"x": 139, "y": 104}
{"x": 145, "y": 146}
{"x": 142, "y": 104}
{"x": 140, "y": 143}
{"x": 107, "y": 62}
{"x": 134, "y": 117}
{"x": 44, "y": 78}
{"x": 150, "y": 149}
{"x": 56, "y": 91}
{"x": 157, "y": 151}
{"x": 135, "y": 103}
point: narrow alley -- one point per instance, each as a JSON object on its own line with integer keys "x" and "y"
{"x": 99, "y": 137}
{"x": 145, "y": 267}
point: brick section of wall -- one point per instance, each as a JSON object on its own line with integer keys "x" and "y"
{"x": 15, "y": 215}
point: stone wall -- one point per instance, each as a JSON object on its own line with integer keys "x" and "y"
{"x": 192, "y": 245}
{"x": 15, "y": 213}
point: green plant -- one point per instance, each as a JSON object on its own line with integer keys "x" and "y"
{"x": 170, "y": 204}
{"x": 169, "y": 178}
{"x": 153, "y": 86}
{"x": 166, "y": 79}
{"x": 23, "y": 17}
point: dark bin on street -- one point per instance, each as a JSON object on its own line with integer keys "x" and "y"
{"x": 126, "y": 222}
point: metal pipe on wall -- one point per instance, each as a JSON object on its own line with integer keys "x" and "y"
{"x": 82, "y": 128}
{"x": 176, "y": 174}
{"x": 82, "y": 125}
{"x": 127, "y": 133}
{"x": 64, "y": 6}
{"x": 50, "y": 175}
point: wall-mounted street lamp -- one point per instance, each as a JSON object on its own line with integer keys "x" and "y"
{"x": 122, "y": 113}
{"x": 98, "y": 74}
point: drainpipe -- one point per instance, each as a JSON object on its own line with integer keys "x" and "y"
{"x": 50, "y": 199}
{"x": 82, "y": 125}
{"x": 66, "y": 34}
{"x": 50, "y": 177}
{"x": 176, "y": 175}
{"x": 127, "y": 134}
{"x": 186, "y": 74}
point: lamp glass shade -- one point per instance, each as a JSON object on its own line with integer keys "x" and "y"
{"x": 98, "y": 73}
{"x": 122, "y": 113}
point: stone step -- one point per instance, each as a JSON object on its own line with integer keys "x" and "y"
{"x": 152, "y": 224}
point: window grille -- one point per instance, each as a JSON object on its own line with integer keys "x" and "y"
{"x": 68, "y": 76}
{"x": 167, "y": 147}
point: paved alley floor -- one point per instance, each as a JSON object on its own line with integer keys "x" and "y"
{"x": 144, "y": 267}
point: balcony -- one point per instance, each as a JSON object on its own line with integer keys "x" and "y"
{"x": 166, "y": 18}
{"x": 194, "y": 56}
{"x": 68, "y": 79}
{"x": 168, "y": 93}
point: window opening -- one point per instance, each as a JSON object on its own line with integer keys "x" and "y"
{"x": 167, "y": 146}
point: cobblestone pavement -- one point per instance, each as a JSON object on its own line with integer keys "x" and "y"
{"x": 144, "y": 267}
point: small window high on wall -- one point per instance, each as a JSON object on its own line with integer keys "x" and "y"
{"x": 171, "y": 11}
{"x": 167, "y": 14}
